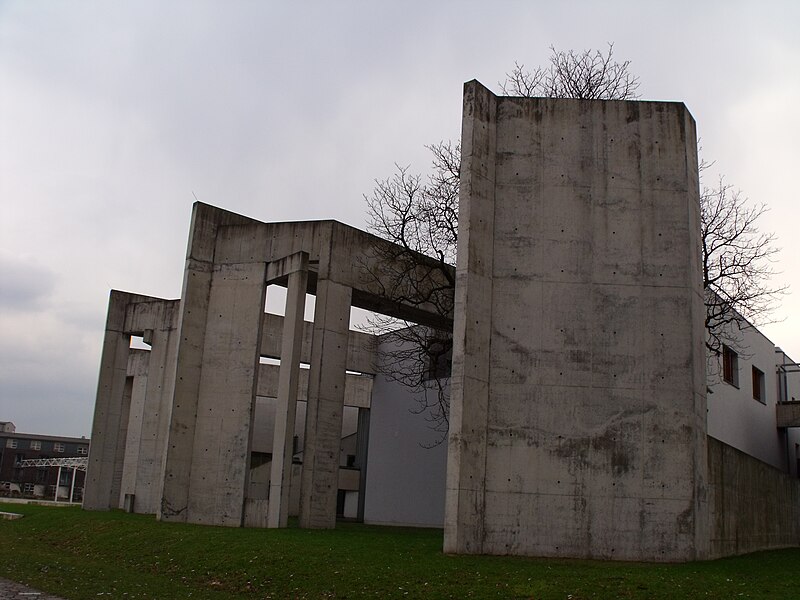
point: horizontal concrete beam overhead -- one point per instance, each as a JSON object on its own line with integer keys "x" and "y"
{"x": 355, "y": 259}
{"x": 357, "y": 388}
{"x": 361, "y": 347}
{"x": 150, "y": 314}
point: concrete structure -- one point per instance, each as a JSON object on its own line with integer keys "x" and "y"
{"x": 207, "y": 349}
{"x": 578, "y": 342}
{"x": 579, "y": 417}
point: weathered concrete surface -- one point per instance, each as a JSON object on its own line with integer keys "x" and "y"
{"x": 753, "y": 506}
{"x": 137, "y": 376}
{"x": 288, "y": 384}
{"x": 326, "y": 389}
{"x": 222, "y": 334}
{"x": 361, "y": 355}
{"x": 788, "y": 414}
{"x": 222, "y": 304}
{"x": 128, "y": 314}
{"x": 578, "y": 412}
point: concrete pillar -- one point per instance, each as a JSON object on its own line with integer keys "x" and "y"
{"x": 219, "y": 330}
{"x": 362, "y": 447}
{"x": 286, "y": 405}
{"x": 137, "y": 372}
{"x": 320, "y": 474}
{"x": 109, "y": 413}
{"x": 466, "y": 461}
{"x": 155, "y": 417}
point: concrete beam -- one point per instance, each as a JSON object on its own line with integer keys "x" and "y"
{"x": 361, "y": 347}
{"x": 357, "y": 388}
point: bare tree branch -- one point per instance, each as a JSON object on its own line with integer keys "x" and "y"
{"x": 590, "y": 75}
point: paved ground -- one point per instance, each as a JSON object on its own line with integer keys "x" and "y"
{"x": 10, "y": 590}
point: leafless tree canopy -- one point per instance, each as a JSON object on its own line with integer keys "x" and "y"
{"x": 737, "y": 264}
{"x": 590, "y": 75}
{"x": 421, "y": 217}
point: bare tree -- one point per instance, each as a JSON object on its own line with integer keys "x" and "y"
{"x": 421, "y": 219}
{"x": 737, "y": 264}
{"x": 590, "y": 75}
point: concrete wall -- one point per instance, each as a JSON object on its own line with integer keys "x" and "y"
{"x": 753, "y": 506}
{"x": 578, "y": 410}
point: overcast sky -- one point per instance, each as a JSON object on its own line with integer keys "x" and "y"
{"x": 113, "y": 115}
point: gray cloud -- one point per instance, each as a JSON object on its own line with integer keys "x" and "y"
{"x": 25, "y": 284}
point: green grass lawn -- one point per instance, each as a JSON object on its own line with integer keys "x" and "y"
{"x": 81, "y": 555}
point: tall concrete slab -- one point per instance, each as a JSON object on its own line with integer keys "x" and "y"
{"x": 219, "y": 331}
{"x": 578, "y": 406}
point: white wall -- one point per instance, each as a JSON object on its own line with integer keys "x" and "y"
{"x": 405, "y": 480}
{"x": 736, "y": 418}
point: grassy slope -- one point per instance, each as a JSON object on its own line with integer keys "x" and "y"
{"x": 81, "y": 555}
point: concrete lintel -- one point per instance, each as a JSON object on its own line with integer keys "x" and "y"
{"x": 281, "y": 268}
{"x": 361, "y": 347}
{"x": 357, "y": 388}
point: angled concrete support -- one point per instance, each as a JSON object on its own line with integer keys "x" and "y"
{"x": 325, "y": 405}
{"x": 288, "y": 380}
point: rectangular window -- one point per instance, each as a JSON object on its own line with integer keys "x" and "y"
{"x": 58, "y": 447}
{"x": 730, "y": 366}
{"x": 36, "y": 445}
{"x": 759, "y": 393}
{"x": 28, "y": 488}
{"x": 83, "y": 450}
{"x": 10, "y": 443}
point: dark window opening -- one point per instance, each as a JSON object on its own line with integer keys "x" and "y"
{"x": 440, "y": 359}
{"x": 758, "y": 386}
{"x": 730, "y": 366}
